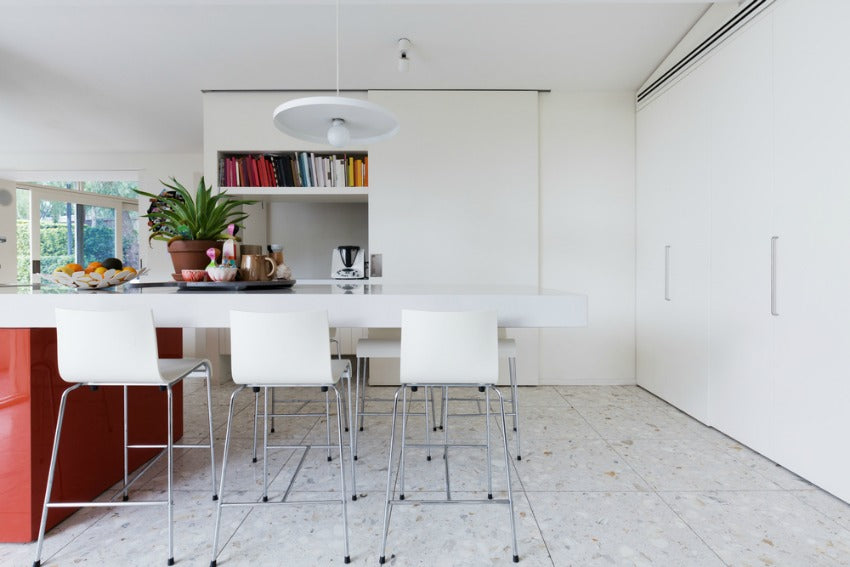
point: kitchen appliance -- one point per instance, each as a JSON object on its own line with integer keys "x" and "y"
{"x": 347, "y": 263}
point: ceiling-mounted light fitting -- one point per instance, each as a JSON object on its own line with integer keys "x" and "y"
{"x": 403, "y": 61}
{"x": 335, "y": 120}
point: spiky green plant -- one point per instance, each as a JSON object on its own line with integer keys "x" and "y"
{"x": 177, "y": 215}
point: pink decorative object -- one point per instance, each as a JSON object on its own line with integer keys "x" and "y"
{"x": 193, "y": 275}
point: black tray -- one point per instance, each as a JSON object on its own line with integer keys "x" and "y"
{"x": 233, "y": 286}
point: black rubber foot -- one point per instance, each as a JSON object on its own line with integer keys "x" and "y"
{"x": 125, "y": 497}
{"x": 329, "y": 459}
{"x": 519, "y": 457}
{"x": 489, "y": 497}
{"x": 347, "y": 559}
{"x": 254, "y": 460}
{"x": 354, "y": 498}
{"x": 441, "y": 428}
{"x": 346, "y": 430}
{"x": 361, "y": 429}
{"x": 401, "y": 496}
{"x": 255, "y": 389}
{"x": 514, "y": 428}
{"x": 171, "y": 561}
{"x": 382, "y": 560}
{"x": 213, "y": 563}
{"x": 516, "y": 558}
{"x": 215, "y": 497}
{"x": 355, "y": 457}
{"x": 481, "y": 388}
{"x": 272, "y": 430}
{"x": 324, "y": 388}
{"x": 428, "y": 458}
{"x": 414, "y": 388}
{"x": 37, "y": 563}
{"x": 265, "y": 498}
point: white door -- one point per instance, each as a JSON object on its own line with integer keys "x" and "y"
{"x": 672, "y": 246}
{"x": 8, "y": 230}
{"x": 741, "y": 204}
{"x": 812, "y": 398}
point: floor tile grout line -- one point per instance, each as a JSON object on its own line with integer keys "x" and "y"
{"x": 691, "y": 528}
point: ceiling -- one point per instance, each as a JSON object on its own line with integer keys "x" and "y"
{"x": 127, "y": 75}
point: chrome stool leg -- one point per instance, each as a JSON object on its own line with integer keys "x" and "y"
{"x": 515, "y": 405}
{"x": 508, "y": 472}
{"x": 208, "y": 377}
{"x": 227, "y": 437}
{"x": 388, "y": 503}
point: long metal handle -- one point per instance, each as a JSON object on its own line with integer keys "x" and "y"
{"x": 667, "y": 273}
{"x": 773, "y": 296}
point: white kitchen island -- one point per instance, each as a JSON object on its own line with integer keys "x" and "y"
{"x": 376, "y": 306}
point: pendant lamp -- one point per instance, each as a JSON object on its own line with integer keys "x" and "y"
{"x": 335, "y": 120}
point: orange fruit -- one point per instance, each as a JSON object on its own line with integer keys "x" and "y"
{"x": 100, "y": 270}
{"x": 130, "y": 269}
{"x": 92, "y": 267}
{"x": 74, "y": 267}
{"x": 65, "y": 269}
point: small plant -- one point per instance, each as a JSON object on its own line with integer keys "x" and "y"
{"x": 176, "y": 215}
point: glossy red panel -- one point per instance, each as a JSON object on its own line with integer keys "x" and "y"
{"x": 90, "y": 456}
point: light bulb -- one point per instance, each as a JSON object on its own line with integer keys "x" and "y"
{"x": 338, "y": 134}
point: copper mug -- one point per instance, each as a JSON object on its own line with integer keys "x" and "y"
{"x": 253, "y": 268}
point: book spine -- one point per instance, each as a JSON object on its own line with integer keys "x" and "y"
{"x": 366, "y": 171}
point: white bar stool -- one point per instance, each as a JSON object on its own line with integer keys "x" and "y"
{"x": 301, "y": 359}
{"x": 124, "y": 345}
{"x": 467, "y": 344}
{"x": 391, "y": 348}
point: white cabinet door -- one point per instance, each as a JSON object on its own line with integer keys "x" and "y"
{"x": 453, "y": 197}
{"x": 653, "y": 228}
{"x": 741, "y": 203}
{"x": 812, "y": 394}
{"x": 672, "y": 249}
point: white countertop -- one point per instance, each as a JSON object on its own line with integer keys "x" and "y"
{"x": 364, "y": 305}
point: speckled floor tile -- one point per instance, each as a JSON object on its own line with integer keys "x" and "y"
{"x": 602, "y": 467}
{"x": 762, "y": 528}
{"x": 576, "y": 465}
{"x": 633, "y": 528}
{"x": 689, "y": 464}
{"x": 641, "y": 421}
{"x": 827, "y": 504}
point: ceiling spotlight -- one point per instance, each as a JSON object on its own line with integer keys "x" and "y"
{"x": 403, "y": 61}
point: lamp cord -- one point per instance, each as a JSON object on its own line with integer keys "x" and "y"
{"x": 337, "y": 47}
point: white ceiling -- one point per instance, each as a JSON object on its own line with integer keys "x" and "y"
{"x": 127, "y": 75}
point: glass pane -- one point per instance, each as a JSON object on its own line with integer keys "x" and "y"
{"x": 98, "y": 234}
{"x": 130, "y": 238}
{"x": 57, "y": 220}
{"x": 23, "y": 236}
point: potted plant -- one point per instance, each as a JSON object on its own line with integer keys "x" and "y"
{"x": 190, "y": 225}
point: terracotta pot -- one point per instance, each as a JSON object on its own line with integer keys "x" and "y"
{"x": 190, "y": 255}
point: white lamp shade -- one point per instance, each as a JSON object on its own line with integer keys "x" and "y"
{"x": 311, "y": 118}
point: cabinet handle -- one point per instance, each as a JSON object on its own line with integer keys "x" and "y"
{"x": 773, "y": 250}
{"x": 667, "y": 273}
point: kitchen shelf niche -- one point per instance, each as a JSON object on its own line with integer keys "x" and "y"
{"x": 295, "y": 175}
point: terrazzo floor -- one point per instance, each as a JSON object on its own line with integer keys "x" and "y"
{"x": 610, "y": 475}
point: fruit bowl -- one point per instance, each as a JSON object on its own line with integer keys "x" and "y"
{"x": 95, "y": 280}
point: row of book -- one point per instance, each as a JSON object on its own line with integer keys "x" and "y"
{"x": 297, "y": 169}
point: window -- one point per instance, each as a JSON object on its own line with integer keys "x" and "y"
{"x": 61, "y": 222}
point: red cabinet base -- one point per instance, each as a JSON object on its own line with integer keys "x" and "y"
{"x": 90, "y": 452}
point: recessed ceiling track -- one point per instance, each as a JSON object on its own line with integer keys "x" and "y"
{"x": 738, "y": 20}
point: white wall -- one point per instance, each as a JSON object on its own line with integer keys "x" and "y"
{"x": 587, "y": 238}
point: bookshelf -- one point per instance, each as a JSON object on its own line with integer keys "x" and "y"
{"x": 295, "y": 175}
